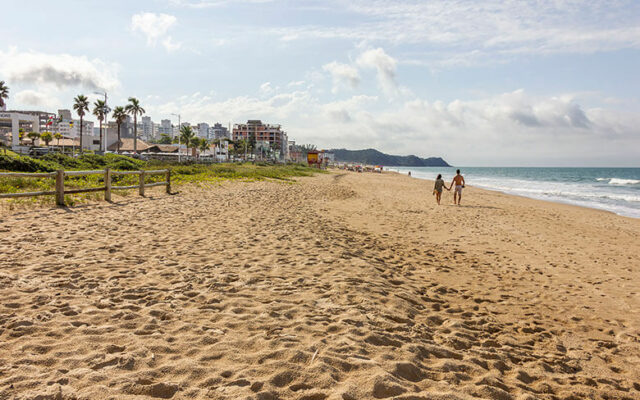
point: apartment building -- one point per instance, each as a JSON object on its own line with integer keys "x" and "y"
{"x": 165, "y": 127}
{"x": 202, "y": 130}
{"x": 217, "y": 131}
{"x": 145, "y": 128}
{"x": 262, "y": 133}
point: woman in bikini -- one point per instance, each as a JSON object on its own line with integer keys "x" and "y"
{"x": 437, "y": 189}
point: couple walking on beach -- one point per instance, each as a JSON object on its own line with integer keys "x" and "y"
{"x": 458, "y": 180}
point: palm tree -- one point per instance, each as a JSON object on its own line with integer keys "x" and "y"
{"x": 4, "y": 94}
{"x": 21, "y": 135}
{"x": 81, "y": 104}
{"x": 240, "y": 147}
{"x": 195, "y": 143}
{"x": 165, "y": 139}
{"x": 101, "y": 110}
{"x": 120, "y": 115}
{"x": 203, "y": 145}
{"x": 134, "y": 109}
{"x": 187, "y": 136}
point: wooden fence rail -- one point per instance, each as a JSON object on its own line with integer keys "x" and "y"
{"x": 107, "y": 188}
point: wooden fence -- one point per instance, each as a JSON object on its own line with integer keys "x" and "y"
{"x": 107, "y": 188}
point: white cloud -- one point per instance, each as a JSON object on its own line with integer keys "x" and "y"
{"x": 491, "y": 31}
{"x": 384, "y": 65}
{"x": 342, "y": 74}
{"x": 344, "y": 111}
{"x": 266, "y": 88}
{"x": 60, "y": 70}
{"x": 36, "y": 99}
{"x": 170, "y": 45}
{"x": 155, "y": 27}
{"x": 219, "y": 42}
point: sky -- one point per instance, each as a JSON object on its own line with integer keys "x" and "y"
{"x": 479, "y": 83}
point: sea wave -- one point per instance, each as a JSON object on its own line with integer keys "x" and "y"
{"x": 619, "y": 181}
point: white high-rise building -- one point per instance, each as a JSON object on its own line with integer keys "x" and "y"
{"x": 147, "y": 128}
{"x": 165, "y": 128}
{"x": 203, "y": 130}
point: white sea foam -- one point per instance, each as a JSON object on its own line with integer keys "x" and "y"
{"x": 618, "y": 181}
{"x": 620, "y": 203}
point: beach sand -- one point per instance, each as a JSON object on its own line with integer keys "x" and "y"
{"x": 341, "y": 286}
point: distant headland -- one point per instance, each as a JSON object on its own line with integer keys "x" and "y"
{"x": 375, "y": 157}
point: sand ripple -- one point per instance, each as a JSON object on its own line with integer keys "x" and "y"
{"x": 259, "y": 291}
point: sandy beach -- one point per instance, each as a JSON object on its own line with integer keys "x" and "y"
{"x": 340, "y": 286}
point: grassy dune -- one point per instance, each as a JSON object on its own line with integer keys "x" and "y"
{"x": 181, "y": 173}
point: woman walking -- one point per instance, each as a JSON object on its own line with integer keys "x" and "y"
{"x": 437, "y": 188}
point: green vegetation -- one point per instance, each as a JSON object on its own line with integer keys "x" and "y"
{"x": 180, "y": 174}
{"x": 198, "y": 173}
{"x": 164, "y": 139}
{"x": 33, "y": 136}
{"x": 120, "y": 115}
{"x": 101, "y": 110}
{"x": 4, "y": 93}
{"x": 55, "y": 161}
{"x": 187, "y": 136}
{"x": 46, "y": 137}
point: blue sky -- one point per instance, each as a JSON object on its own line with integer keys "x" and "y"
{"x": 479, "y": 83}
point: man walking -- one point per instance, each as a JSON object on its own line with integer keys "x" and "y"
{"x": 458, "y": 180}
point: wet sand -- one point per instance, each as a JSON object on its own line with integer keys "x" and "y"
{"x": 342, "y": 286}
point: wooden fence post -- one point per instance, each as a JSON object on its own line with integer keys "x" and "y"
{"x": 141, "y": 183}
{"x": 60, "y": 187}
{"x": 168, "y": 181}
{"x": 107, "y": 184}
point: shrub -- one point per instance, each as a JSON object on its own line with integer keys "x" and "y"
{"x": 26, "y": 164}
{"x": 62, "y": 160}
{"x": 124, "y": 165}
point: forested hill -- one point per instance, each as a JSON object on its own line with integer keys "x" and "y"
{"x": 375, "y": 157}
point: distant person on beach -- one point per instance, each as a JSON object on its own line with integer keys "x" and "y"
{"x": 458, "y": 180}
{"x": 437, "y": 188}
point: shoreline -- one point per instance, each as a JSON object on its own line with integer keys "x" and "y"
{"x": 568, "y": 203}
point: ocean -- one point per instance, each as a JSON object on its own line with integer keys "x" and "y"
{"x": 612, "y": 189}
